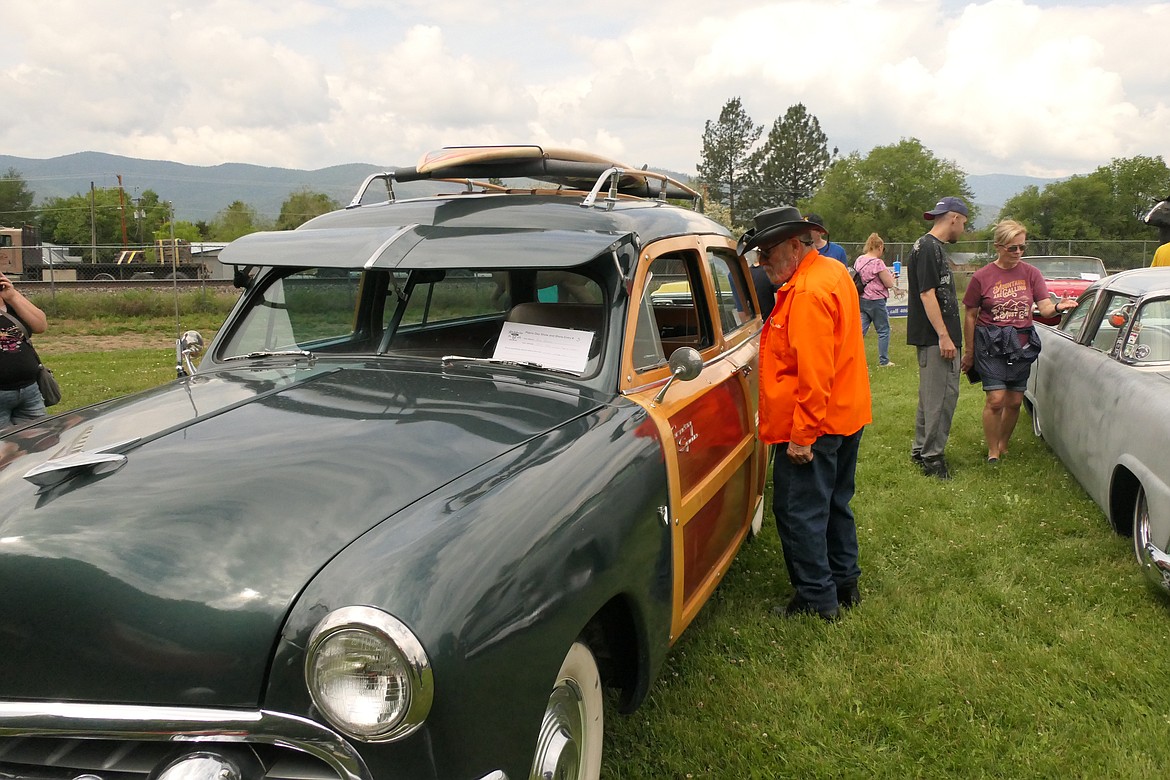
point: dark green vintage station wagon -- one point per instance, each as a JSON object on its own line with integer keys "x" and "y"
{"x": 449, "y": 468}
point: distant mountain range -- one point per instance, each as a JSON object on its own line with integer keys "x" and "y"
{"x": 993, "y": 190}
{"x": 199, "y": 192}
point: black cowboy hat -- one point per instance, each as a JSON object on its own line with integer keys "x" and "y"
{"x": 775, "y": 225}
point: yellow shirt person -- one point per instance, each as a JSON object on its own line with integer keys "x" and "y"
{"x": 1161, "y": 256}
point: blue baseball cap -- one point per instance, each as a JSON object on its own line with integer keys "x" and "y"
{"x": 946, "y": 205}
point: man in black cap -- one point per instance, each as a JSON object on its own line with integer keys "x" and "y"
{"x": 814, "y": 404}
{"x": 1159, "y": 217}
{"x": 824, "y": 245}
{"x": 934, "y": 326}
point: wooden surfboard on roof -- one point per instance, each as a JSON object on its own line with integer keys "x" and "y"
{"x": 564, "y": 167}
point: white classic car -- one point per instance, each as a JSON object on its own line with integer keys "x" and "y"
{"x": 1100, "y": 396}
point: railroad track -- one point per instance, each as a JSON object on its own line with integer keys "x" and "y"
{"x": 127, "y": 284}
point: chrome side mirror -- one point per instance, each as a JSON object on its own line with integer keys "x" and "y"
{"x": 187, "y": 346}
{"x": 685, "y": 364}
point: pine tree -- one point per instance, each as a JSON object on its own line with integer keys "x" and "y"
{"x": 15, "y": 200}
{"x": 791, "y": 164}
{"x": 726, "y": 155}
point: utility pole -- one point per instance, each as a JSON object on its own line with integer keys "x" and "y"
{"x": 122, "y": 209}
{"x": 92, "y": 224}
{"x": 138, "y": 214}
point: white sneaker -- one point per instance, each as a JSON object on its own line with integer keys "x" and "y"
{"x": 886, "y": 365}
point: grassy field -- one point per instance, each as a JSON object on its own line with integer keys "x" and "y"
{"x": 105, "y": 345}
{"x": 1005, "y": 630}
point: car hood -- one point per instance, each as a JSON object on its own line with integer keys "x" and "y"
{"x": 165, "y": 577}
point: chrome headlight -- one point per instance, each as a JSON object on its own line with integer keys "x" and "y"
{"x": 368, "y": 674}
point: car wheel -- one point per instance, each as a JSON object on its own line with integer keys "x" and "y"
{"x": 757, "y": 526}
{"x": 1141, "y": 527}
{"x": 569, "y": 746}
{"x": 1039, "y": 434}
{"x": 103, "y": 277}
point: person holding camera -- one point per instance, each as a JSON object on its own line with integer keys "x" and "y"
{"x": 20, "y": 397}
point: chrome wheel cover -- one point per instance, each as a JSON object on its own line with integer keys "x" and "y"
{"x": 1141, "y": 530}
{"x": 569, "y": 744}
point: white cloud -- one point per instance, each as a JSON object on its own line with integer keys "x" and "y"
{"x": 1038, "y": 87}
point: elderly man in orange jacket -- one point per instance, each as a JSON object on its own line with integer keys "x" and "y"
{"x": 814, "y": 404}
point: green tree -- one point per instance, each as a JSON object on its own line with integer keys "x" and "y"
{"x": 148, "y": 218}
{"x": 791, "y": 164}
{"x": 16, "y": 200}
{"x": 67, "y": 220}
{"x": 1107, "y": 204}
{"x": 303, "y": 205}
{"x": 237, "y": 219}
{"x": 184, "y": 230}
{"x": 83, "y": 219}
{"x": 726, "y": 155}
{"x": 887, "y": 191}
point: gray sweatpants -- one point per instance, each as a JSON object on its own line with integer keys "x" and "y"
{"x": 938, "y": 394}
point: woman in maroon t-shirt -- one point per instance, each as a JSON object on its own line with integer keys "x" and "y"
{"x": 998, "y": 338}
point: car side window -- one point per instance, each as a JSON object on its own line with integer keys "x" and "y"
{"x": 1118, "y": 310}
{"x": 1077, "y": 317}
{"x": 672, "y": 312}
{"x": 1149, "y": 339}
{"x": 732, "y": 299}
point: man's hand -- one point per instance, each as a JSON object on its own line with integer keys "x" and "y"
{"x": 966, "y": 362}
{"x": 946, "y": 347}
{"x": 800, "y": 454}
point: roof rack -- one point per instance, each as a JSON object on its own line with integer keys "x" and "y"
{"x": 569, "y": 169}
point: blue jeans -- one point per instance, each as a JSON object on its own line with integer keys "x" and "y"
{"x": 817, "y": 530}
{"x": 20, "y": 406}
{"x": 876, "y": 312}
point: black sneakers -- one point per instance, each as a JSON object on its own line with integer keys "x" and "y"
{"x": 936, "y": 467}
{"x": 798, "y": 606}
{"x": 848, "y": 595}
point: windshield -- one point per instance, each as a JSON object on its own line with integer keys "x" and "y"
{"x": 544, "y": 318}
{"x": 1087, "y": 268}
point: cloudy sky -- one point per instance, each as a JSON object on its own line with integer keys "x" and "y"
{"x": 1033, "y": 87}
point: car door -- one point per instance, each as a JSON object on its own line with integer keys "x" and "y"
{"x": 1079, "y": 386}
{"x": 691, "y": 292}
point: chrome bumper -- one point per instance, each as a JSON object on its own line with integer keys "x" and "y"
{"x": 132, "y": 723}
{"x": 63, "y": 721}
{"x": 1157, "y": 565}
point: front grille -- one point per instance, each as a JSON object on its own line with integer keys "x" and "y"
{"x": 59, "y": 758}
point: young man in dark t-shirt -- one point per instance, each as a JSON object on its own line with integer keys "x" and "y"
{"x": 935, "y": 327}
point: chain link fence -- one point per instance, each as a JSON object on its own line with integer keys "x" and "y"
{"x": 1117, "y": 255}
